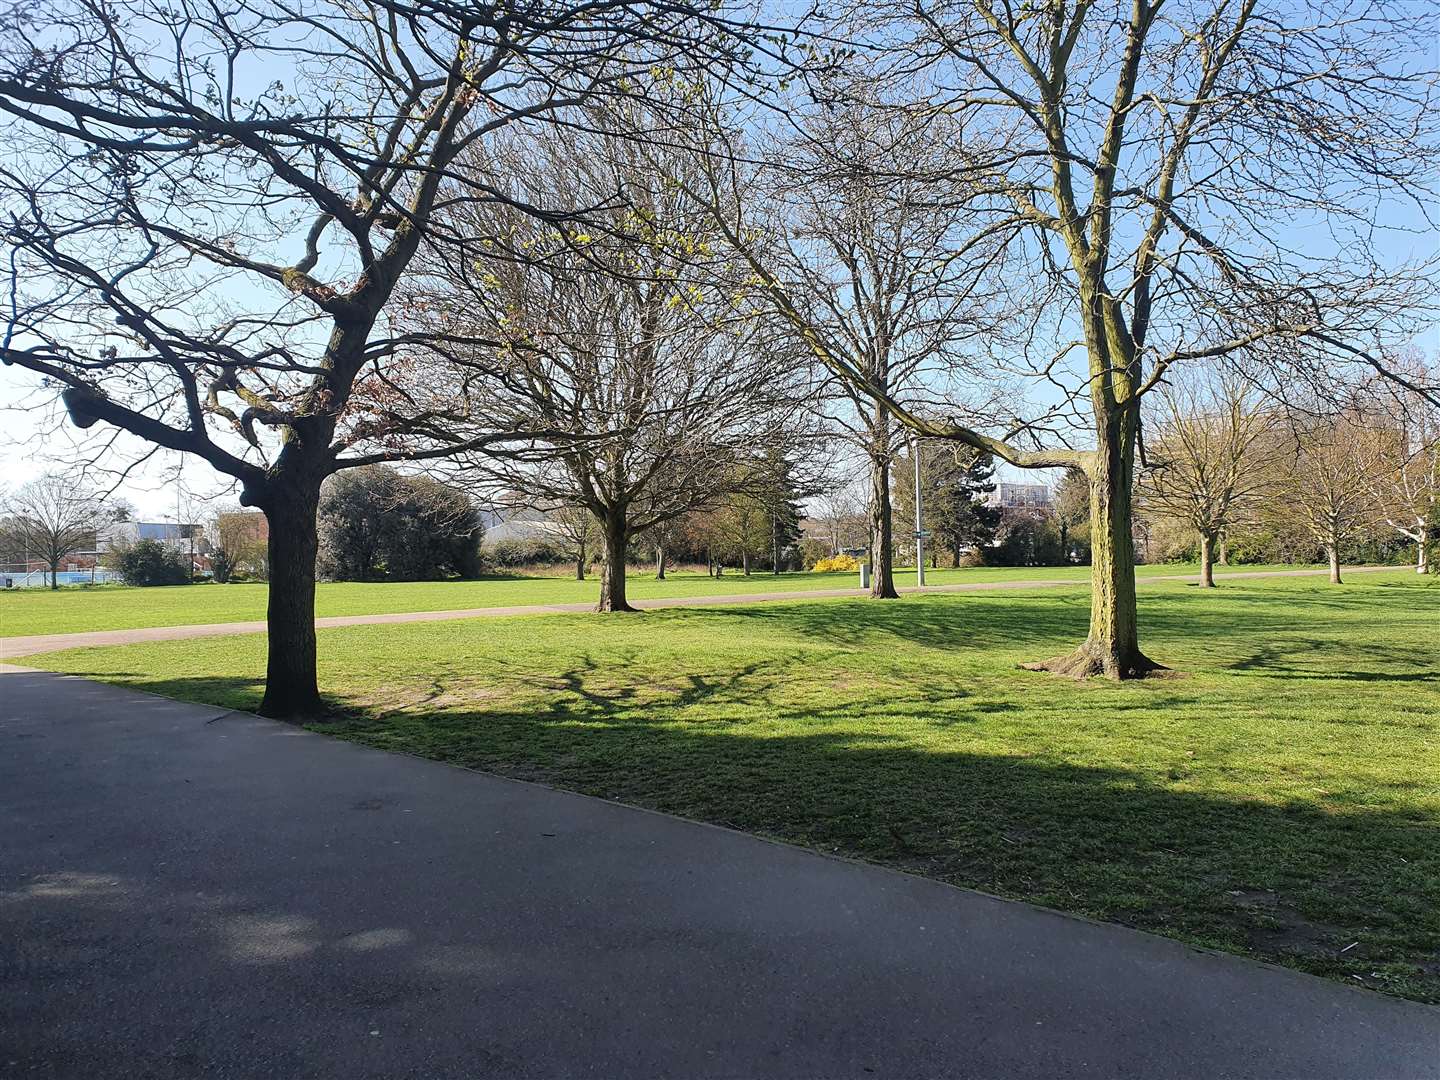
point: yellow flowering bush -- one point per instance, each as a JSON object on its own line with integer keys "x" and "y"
{"x": 838, "y": 563}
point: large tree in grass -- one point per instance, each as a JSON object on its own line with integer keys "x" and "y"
{"x": 207, "y": 209}
{"x": 1175, "y": 181}
{"x": 632, "y": 340}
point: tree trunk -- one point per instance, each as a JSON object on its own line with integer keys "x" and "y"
{"x": 745, "y": 561}
{"x": 1224, "y": 548}
{"x": 1113, "y": 645}
{"x": 1207, "y": 560}
{"x": 882, "y": 540}
{"x": 1422, "y": 557}
{"x": 775, "y": 545}
{"x": 660, "y": 561}
{"x": 54, "y": 578}
{"x": 291, "y": 687}
{"x": 612, "y": 573}
{"x": 1332, "y": 552}
{"x": 580, "y": 565}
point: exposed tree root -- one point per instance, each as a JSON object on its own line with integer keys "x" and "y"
{"x": 607, "y": 609}
{"x": 1090, "y": 660}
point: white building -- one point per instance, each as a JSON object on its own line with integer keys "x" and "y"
{"x": 1021, "y": 496}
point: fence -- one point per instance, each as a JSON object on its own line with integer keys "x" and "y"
{"x": 40, "y": 579}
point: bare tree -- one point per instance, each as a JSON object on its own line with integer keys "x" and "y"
{"x": 1329, "y": 481}
{"x": 1145, "y": 163}
{"x": 1209, "y": 447}
{"x": 857, "y": 215}
{"x": 53, "y": 518}
{"x": 1408, "y": 483}
{"x": 629, "y": 340}
{"x": 207, "y": 211}
{"x": 578, "y": 526}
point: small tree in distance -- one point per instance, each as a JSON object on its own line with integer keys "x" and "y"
{"x": 53, "y": 518}
{"x": 1328, "y": 480}
{"x": 1209, "y": 461}
{"x": 1072, "y": 511}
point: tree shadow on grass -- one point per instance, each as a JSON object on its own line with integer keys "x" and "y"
{"x": 1043, "y": 623}
{"x": 1289, "y": 880}
{"x": 1292, "y": 881}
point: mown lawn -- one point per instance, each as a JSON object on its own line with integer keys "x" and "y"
{"x": 77, "y": 609}
{"x": 1278, "y": 795}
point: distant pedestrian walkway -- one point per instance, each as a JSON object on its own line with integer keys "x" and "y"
{"x": 12, "y": 648}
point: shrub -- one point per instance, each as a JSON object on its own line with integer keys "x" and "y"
{"x": 972, "y": 558}
{"x": 838, "y": 564}
{"x": 151, "y": 563}
{"x": 811, "y": 552}
{"x": 511, "y": 554}
{"x": 379, "y": 524}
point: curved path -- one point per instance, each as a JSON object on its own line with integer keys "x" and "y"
{"x": 13, "y": 647}
{"x": 186, "y": 892}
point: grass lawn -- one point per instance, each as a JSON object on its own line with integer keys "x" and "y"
{"x": 73, "y": 610}
{"x": 1278, "y": 796}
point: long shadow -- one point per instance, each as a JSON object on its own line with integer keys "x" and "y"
{"x": 1299, "y": 882}
{"x": 1342, "y": 884}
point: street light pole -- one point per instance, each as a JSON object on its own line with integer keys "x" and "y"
{"x": 919, "y": 518}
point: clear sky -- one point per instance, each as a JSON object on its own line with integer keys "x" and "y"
{"x": 34, "y": 439}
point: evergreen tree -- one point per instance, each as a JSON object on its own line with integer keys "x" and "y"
{"x": 782, "y": 496}
{"x": 956, "y": 513}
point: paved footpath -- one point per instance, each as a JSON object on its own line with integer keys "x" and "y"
{"x": 15, "y": 647}
{"x": 186, "y": 893}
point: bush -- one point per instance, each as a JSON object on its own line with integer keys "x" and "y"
{"x": 378, "y": 524}
{"x": 1027, "y": 539}
{"x": 972, "y": 558}
{"x": 151, "y": 563}
{"x": 811, "y": 552}
{"x": 838, "y": 564}
{"x": 510, "y": 554}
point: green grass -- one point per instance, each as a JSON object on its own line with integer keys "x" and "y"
{"x": 1278, "y": 795}
{"x": 74, "y": 610}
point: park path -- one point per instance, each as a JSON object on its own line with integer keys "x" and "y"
{"x": 13, "y": 647}
{"x": 186, "y": 891}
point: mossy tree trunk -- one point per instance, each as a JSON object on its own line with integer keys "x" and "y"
{"x": 882, "y": 536}
{"x": 1112, "y": 648}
